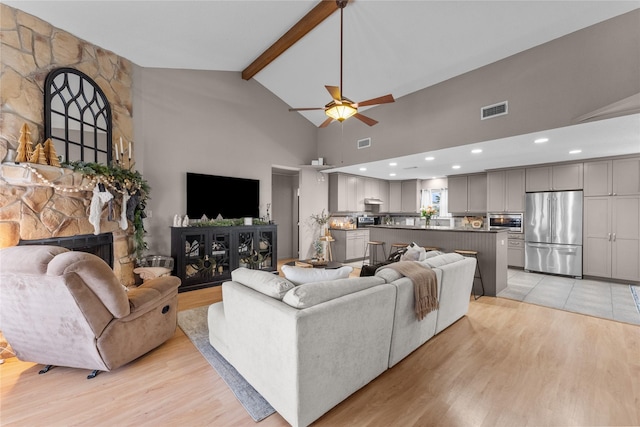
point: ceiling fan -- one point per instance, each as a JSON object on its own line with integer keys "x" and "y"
{"x": 341, "y": 107}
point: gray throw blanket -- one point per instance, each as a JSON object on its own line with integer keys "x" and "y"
{"x": 425, "y": 285}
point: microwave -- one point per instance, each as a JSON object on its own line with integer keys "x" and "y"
{"x": 513, "y": 222}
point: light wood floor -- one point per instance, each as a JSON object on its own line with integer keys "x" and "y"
{"x": 504, "y": 364}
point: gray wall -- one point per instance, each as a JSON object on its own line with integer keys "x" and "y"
{"x": 210, "y": 122}
{"x": 547, "y": 87}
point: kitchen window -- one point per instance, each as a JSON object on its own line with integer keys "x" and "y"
{"x": 436, "y": 198}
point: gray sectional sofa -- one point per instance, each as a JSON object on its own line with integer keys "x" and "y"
{"x": 306, "y": 348}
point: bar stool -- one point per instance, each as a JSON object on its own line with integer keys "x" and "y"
{"x": 473, "y": 254}
{"x": 329, "y": 241}
{"x": 397, "y": 246}
{"x": 371, "y": 249}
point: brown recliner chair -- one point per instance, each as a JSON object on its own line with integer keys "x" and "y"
{"x": 64, "y": 308}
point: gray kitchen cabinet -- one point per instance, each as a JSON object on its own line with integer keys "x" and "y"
{"x": 505, "y": 191}
{"x": 554, "y": 178}
{"x": 458, "y": 189}
{"x": 612, "y": 237}
{"x": 337, "y": 192}
{"x": 395, "y": 196}
{"x": 348, "y": 192}
{"x": 349, "y": 245}
{"x": 598, "y": 178}
{"x": 383, "y": 192}
{"x": 618, "y": 177}
{"x": 626, "y": 176}
{"x": 410, "y": 196}
{"x": 468, "y": 193}
{"x": 515, "y": 253}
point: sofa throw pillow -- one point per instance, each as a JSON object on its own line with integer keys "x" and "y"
{"x": 301, "y": 275}
{"x": 310, "y": 294}
{"x": 443, "y": 259}
{"x": 414, "y": 253}
{"x": 262, "y": 281}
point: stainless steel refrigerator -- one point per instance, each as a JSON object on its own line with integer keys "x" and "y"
{"x": 553, "y": 232}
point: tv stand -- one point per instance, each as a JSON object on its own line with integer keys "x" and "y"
{"x": 206, "y": 256}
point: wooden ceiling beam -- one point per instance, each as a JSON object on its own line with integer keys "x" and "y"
{"x": 319, "y": 13}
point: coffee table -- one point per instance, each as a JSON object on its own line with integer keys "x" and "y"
{"x": 329, "y": 265}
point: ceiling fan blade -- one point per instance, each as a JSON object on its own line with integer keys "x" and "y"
{"x": 379, "y": 100}
{"x": 365, "y": 119}
{"x": 334, "y": 91}
{"x": 306, "y": 109}
{"x": 326, "y": 123}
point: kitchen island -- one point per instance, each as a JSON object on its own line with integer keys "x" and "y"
{"x": 491, "y": 246}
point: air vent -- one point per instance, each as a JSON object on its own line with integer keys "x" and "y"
{"x": 495, "y": 110}
{"x": 364, "y": 143}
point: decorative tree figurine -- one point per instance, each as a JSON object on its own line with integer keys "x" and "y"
{"x": 38, "y": 156}
{"x": 50, "y": 153}
{"x": 25, "y": 147}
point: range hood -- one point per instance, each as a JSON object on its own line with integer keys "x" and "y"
{"x": 373, "y": 201}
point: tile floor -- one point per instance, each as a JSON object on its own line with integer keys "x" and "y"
{"x": 595, "y": 298}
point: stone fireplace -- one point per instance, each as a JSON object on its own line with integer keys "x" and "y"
{"x": 49, "y": 205}
{"x": 39, "y": 202}
{"x": 100, "y": 245}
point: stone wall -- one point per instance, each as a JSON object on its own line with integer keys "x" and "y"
{"x": 30, "y": 207}
{"x": 31, "y": 48}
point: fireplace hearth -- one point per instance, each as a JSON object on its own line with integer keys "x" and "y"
{"x": 100, "y": 245}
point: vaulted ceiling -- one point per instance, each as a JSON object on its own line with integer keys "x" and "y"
{"x": 396, "y": 47}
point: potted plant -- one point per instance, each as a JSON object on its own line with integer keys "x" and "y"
{"x": 427, "y": 213}
{"x": 321, "y": 220}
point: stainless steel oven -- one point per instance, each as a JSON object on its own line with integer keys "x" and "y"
{"x": 513, "y": 222}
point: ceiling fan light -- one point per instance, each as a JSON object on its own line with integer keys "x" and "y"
{"x": 340, "y": 112}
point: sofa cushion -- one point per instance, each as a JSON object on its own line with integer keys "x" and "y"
{"x": 414, "y": 253}
{"x": 262, "y": 281}
{"x": 444, "y": 259}
{"x": 388, "y": 274}
{"x": 301, "y": 275}
{"x": 310, "y": 294}
{"x": 431, "y": 254}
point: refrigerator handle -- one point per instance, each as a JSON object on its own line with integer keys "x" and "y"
{"x": 614, "y": 237}
{"x": 609, "y": 236}
{"x": 552, "y": 223}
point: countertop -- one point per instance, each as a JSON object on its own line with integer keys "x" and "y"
{"x": 441, "y": 228}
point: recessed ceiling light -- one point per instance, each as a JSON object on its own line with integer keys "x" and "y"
{"x": 393, "y": 164}
{"x": 575, "y": 151}
{"x": 363, "y": 169}
{"x": 392, "y": 174}
{"x": 429, "y": 158}
{"x": 476, "y": 150}
{"x": 455, "y": 167}
{"x": 541, "y": 140}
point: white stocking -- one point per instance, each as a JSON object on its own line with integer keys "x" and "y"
{"x": 123, "y": 212}
{"x": 95, "y": 210}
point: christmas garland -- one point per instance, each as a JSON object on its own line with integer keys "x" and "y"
{"x": 120, "y": 180}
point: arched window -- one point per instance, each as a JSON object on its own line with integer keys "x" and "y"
{"x": 77, "y": 117}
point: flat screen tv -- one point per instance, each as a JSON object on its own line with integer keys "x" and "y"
{"x": 213, "y": 195}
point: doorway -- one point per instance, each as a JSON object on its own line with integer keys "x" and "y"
{"x": 285, "y": 209}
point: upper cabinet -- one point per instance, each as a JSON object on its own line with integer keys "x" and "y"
{"x": 612, "y": 177}
{"x": 505, "y": 191}
{"x": 410, "y": 196}
{"x": 347, "y": 193}
{"x": 395, "y": 196}
{"x": 468, "y": 193}
{"x": 555, "y": 178}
